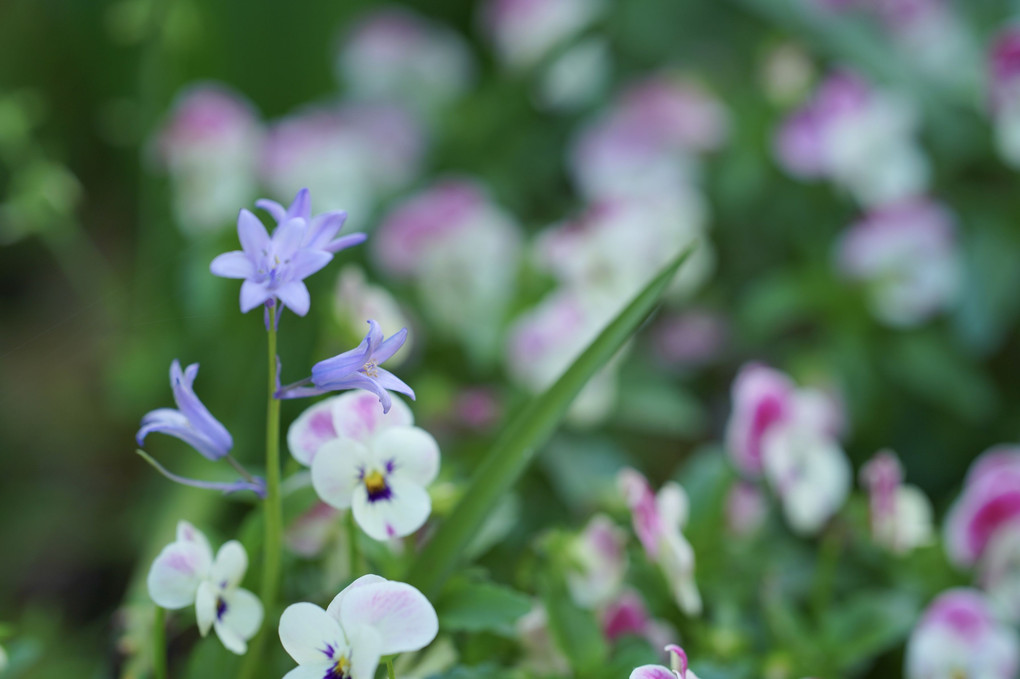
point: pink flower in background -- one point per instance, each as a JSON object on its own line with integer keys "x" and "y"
{"x": 999, "y": 570}
{"x": 600, "y": 562}
{"x": 958, "y": 636}
{"x": 908, "y": 256}
{"x": 901, "y": 515}
{"x": 461, "y": 251}
{"x": 210, "y": 144}
{"x": 649, "y": 139}
{"x": 989, "y": 502}
{"x": 523, "y": 32}
{"x": 762, "y": 397}
{"x": 858, "y": 137}
{"x": 392, "y": 54}
{"x": 677, "y": 669}
{"x": 1004, "y": 92}
{"x": 627, "y": 615}
{"x": 658, "y": 520}
{"x": 690, "y": 338}
{"x": 348, "y": 155}
{"x": 478, "y": 408}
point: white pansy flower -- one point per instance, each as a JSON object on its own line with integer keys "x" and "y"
{"x": 371, "y": 618}
{"x": 186, "y": 573}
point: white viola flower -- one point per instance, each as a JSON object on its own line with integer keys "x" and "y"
{"x": 540, "y": 653}
{"x": 378, "y": 465}
{"x": 186, "y": 573}
{"x": 809, "y": 472}
{"x": 523, "y": 32}
{"x": 958, "y": 636}
{"x": 677, "y": 669}
{"x": 901, "y": 515}
{"x": 658, "y": 521}
{"x": 600, "y": 562}
{"x": 372, "y": 617}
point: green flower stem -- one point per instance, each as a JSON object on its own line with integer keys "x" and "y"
{"x": 352, "y": 544}
{"x": 273, "y": 513}
{"x": 159, "y": 644}
{"x": 389, "y": 668}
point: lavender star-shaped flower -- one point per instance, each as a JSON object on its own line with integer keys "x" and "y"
{"x": 356, "y": 369}
{"x": 191, "y": 422}
{"x": 321, "y": 229}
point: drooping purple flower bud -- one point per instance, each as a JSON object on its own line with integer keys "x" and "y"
{"x": 191, "y": 421}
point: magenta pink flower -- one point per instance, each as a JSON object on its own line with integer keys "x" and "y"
{"x": 1004, "y": 67}
{"x": 762, "y": 397}
{"x": 901, "y": 515}
{"x": 989, "y": 501}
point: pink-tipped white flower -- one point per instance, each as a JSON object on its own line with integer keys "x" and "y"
{"x": 540, "y": 653}
{"x": 1004, "y": 94}
{"x": 658, "y": 520}
{"x": 371, "y": 618}
{"x": 186, "y": 573}
{"x": 990, "y": 501}
{"x": 599, "y": 561}
{"x": 210, "y": 144}
{"x": 627, "y": 615}
{"x": 901, "y": 515}
{"x": 647, "y": 143}
{"x": 999, "y": 570}
{"x": 858, "y": 137}
{"x": 908, "y": 257}
{"x": 678, "y": 668}
{"x": 377, "y": 464}
{"x": 346, "y": 155}
{"x": 809, "y": 472}
{"x": 958, "y": 636}
{"x": 395, "y": 55}
{"x": 523, "y": 32}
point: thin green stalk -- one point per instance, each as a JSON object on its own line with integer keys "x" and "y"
{"x": 159, "y": 644}
{"x": 825, "y": 571}
{"x": 389, "y": 668}
{"x": 352, "y": 544}
{"x": 273, "y": 511}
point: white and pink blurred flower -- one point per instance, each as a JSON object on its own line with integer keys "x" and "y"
{"x": 990, "y": 501}
{"x": 958, "y": 636}
{"x": 628, "y": 615}
{"x": 524, "y": 32}
{"x": 690, "y": 338}
{"x": 745, "y": 508}
{"x": 678, "y": 668}
{"x": 908, "y": 256}
{"x": 395, "y": 55}
{"x": 647, "y": 143}
{"x": 658, "y": 521}
{"x": 860, "y": 138}
{"x": 186, "y": 573}
{"x": 598, "y": 563}
{"x": 371, "y": 618}
{"x": 347, "y": 155}
{"x": 901, "y": 515}
{"x": 1004, "y": 92}
{"x": 210, "y": 144}
{"x": 808, "y": 471}
{"x": 999, "y": 570}
{"x": 376, "y": 464}
{"x": 462, "y": 252}
{"x": 540, "y": 653}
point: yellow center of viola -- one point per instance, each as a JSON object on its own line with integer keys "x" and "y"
{"x": 341, "y": 669}
{"x": 371, "y": 368}
{"x": 375, "y": 482}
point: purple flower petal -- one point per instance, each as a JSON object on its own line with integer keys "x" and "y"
{"x": 197, "y": 415}
{"x": 295, "y": 296}
{"x": 390, "y": 346}
{"x": 391, "y": 382}
{"x": 344, "y": 242}
{"x": 253, "y": 294}
{"x": 234, "y": 264}
{"x": 306, "y": 262}
{"x": 301, "y": 207}
{"x": 323, "y": 227}
{"x": 252, "y": 234}
{"x": 275, "y": 210}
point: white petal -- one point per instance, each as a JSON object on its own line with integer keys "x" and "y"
{"x": 399, "y": 613}
{"x": 231, "y": 640}
{"x": 188, "y": 533}
{"x": 359, "y": 415}
{"x": 310, "y": 430}
{"x": 230, "y": 565}
{"x": 334, "y": 606}
{"x": 176, "y": 573}
{"x": 652, "y": 672}
{"x": 308, "y": 633}
{"x": 673, "y": 505}
{"x": 243, "y": 614}
{"x": 205, "y": 606}
{"x": 309, "y": 671}
{"x": 337, "y": 469}
{"x": 401, "y": 514}
{"x": 365, "y": 652}
{"x": 413, "y": 452}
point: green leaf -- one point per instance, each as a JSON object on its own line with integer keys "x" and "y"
{"x": 467, "y": 606}
{"x": 576, "y": 631}
{"x": 526, "y": 433}
{"x": 869, "y": 623}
